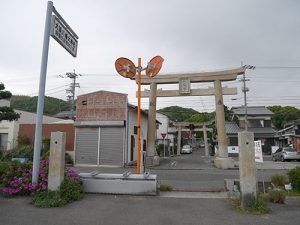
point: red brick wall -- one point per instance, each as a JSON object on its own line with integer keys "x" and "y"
{"x": 102, "y": 106}
{"x": 28, "y": 130}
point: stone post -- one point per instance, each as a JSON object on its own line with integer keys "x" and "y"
{"x": 247, "y": 168}
{"x": 179, "y": 140}
{"x": 205, "y": 140}
{"x": 57, "y": 160}
{"x": 221, "y": 161}
{"x": 151, "y": 133}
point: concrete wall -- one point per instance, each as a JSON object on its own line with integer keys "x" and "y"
{"x": 28, "y": 130}
{"x": 101, "y": 106}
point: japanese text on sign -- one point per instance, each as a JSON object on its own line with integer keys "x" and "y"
{"x": 184, "y": 86}
{"x": 63, "y": 36}
{"x": 258, "y": 151}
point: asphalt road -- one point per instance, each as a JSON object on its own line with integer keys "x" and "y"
{"x": 128, "y": 210}
{"x": 195, "y": 172}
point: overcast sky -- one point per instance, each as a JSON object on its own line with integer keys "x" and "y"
{"x": 191, "y": 35}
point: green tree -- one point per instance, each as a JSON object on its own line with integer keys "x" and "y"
{"x": 283, "y": 115}
{"x": 177, "y": 113}
{"x": 52, "y": 105}
{"x": 7, "y": 113}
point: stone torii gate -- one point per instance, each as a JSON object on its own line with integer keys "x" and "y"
{"x": 204, "y": 129}
{"x": 184, "y": 80}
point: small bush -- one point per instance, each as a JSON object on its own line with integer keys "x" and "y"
{"x": 277, "y": 196}
{"x": 23, "y": 151}
{"x": 68, "y": 159}
{"x": 70, "y": 190}
{"x": 160, "y": 149}
{"x": 48, "y": 199}
{"x": 278, "y": 180}
{"x": 258, "y": 206}
{"x": 294, "y": 178}
{"x": 165, "y": 187}
{"x": 23, "y": 141}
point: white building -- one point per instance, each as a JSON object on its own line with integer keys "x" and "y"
{"x": 164, "y": 130}
{"x": 9, "y": 131}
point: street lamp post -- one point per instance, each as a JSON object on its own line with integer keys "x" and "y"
{"x": 127, "y": 69}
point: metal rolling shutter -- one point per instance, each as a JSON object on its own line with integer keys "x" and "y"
{"x": 111, "y": 145}
{"x": 86, "y": 151}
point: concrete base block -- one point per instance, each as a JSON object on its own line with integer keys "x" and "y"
{"x": 152, "y": 161}
{"x": 224, "y": 163}
{"x": 156, "y": 160}
{"x": 127, "y": 183}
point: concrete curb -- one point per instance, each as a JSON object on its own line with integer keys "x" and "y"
{"x": 207, "y": 195}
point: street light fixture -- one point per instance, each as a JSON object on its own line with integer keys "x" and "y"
{"x": 127, "y": 69}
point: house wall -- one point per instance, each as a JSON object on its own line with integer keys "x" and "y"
{"x": 131, "y": 122}
{"x": 101, "y": 106}
{"x": 296, "y": 143}
{"x": 12, "y": 128}
{"x": 28, "y": 130}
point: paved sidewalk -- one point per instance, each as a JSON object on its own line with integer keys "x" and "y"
{"x": 140, "y": 210}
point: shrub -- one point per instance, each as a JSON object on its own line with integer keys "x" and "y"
{"x": 15, "y": 178}
{"x": 160, "y": 149}
{"x": 70, "y": 190}
{"x": 48, "y": 199}
{"x": 46, "y": 143}
{"x": 23, "y": 151}
{"x": 258, "y": 206}
{"x": 165, "y": 187}
{"x": 23, "y": 141}
{"x": 294, "y": 178}
{"x": 277, "y": 196}
{"x": 278, "y": 180}
{"x": 68, "y": 159}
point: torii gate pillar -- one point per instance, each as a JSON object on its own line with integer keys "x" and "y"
{"x": 151, "y": 160}
{"x": 222, "y": 161}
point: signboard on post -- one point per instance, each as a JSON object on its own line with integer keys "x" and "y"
{"x": 63, "y": 36}
{"x": 184, "y": 85}
{"x": 163, "y": 135}
{"x": 258, "y": 152}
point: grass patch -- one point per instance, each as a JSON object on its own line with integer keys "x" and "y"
{"x": 165, "y": 187}
{"x": 257, "y": 207}
{"x": 293, "y": 193}
{"x": 70, "y": 190}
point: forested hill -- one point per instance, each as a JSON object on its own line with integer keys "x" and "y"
{"x": 29, "y": 104}
{"x": 177, "y": 113}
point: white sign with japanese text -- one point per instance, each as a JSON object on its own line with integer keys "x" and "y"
{"x": 258, "y": 152}
{"x": 63, "y": 36}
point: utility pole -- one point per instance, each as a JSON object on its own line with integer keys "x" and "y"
{"x": 245, "y": 89}
{"x": 71, "y": 90}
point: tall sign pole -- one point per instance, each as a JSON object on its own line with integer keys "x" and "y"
{"x": 139, "y": 154}
{"x": 58, "y": 28}
{"x": 40, "y": 105}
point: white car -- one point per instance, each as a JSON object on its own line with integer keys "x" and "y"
{"x": 186, "y": 149}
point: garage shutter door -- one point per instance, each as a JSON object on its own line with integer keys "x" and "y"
{"x": 111, "y": 146}
{"x": 86, "y": 151}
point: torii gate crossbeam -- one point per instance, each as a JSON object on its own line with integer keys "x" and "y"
{"x": 221, "y": 161}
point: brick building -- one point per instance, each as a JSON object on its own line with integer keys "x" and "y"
{"x": 105, "y": 129}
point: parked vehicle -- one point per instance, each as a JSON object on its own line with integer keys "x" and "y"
{"x": 284, "y": 154}
{"x": 186, "y": 149}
